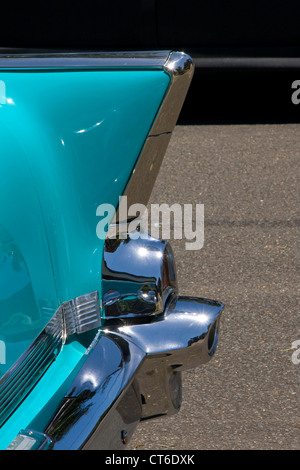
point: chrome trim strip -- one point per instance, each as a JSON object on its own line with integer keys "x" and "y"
{"x": 144, "y": 175}
{"x": 152, "y": 59}
{"x": 180, "y": 67}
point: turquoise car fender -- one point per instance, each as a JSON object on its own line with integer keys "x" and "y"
{"x": 69, "y": 141}
{"x": 28, "y": 296}
{"x": 94, "y": 332}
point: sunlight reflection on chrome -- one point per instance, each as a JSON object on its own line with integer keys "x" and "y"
{"x": 126, "y": 329}
{"x": 201, "y": 318}
{"x": 91, "y": 378}
{"x": 143, "y": 252}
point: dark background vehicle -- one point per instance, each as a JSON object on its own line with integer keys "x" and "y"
{"x": 247, "y": 53}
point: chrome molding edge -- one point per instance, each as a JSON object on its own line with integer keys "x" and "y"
{"x": 71, "y": 60}
{"x": 180, "y": 67}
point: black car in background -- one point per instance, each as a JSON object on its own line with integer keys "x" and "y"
{"x": 246, "y": 52}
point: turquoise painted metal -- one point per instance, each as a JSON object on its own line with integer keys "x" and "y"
{"x": 69, "y": 141}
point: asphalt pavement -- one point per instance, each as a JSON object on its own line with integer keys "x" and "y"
{"x": 247, "y": 177}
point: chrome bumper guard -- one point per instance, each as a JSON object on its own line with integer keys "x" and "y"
{"x": 132, "y": 373}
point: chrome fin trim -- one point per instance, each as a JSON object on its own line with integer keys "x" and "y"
{"x": 180, "y": 67}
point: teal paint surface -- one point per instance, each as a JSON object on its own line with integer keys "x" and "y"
{"x": 19, "y": 313}
{"x": 68, "y": 143}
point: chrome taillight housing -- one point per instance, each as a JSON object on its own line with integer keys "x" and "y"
{"x": 138, "y": 276}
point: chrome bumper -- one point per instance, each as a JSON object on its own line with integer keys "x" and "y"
{"x": 133, "y": 372}
{"x": 133, "y": 365}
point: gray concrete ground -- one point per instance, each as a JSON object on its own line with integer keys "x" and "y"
{"x": 247, "y": 177}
